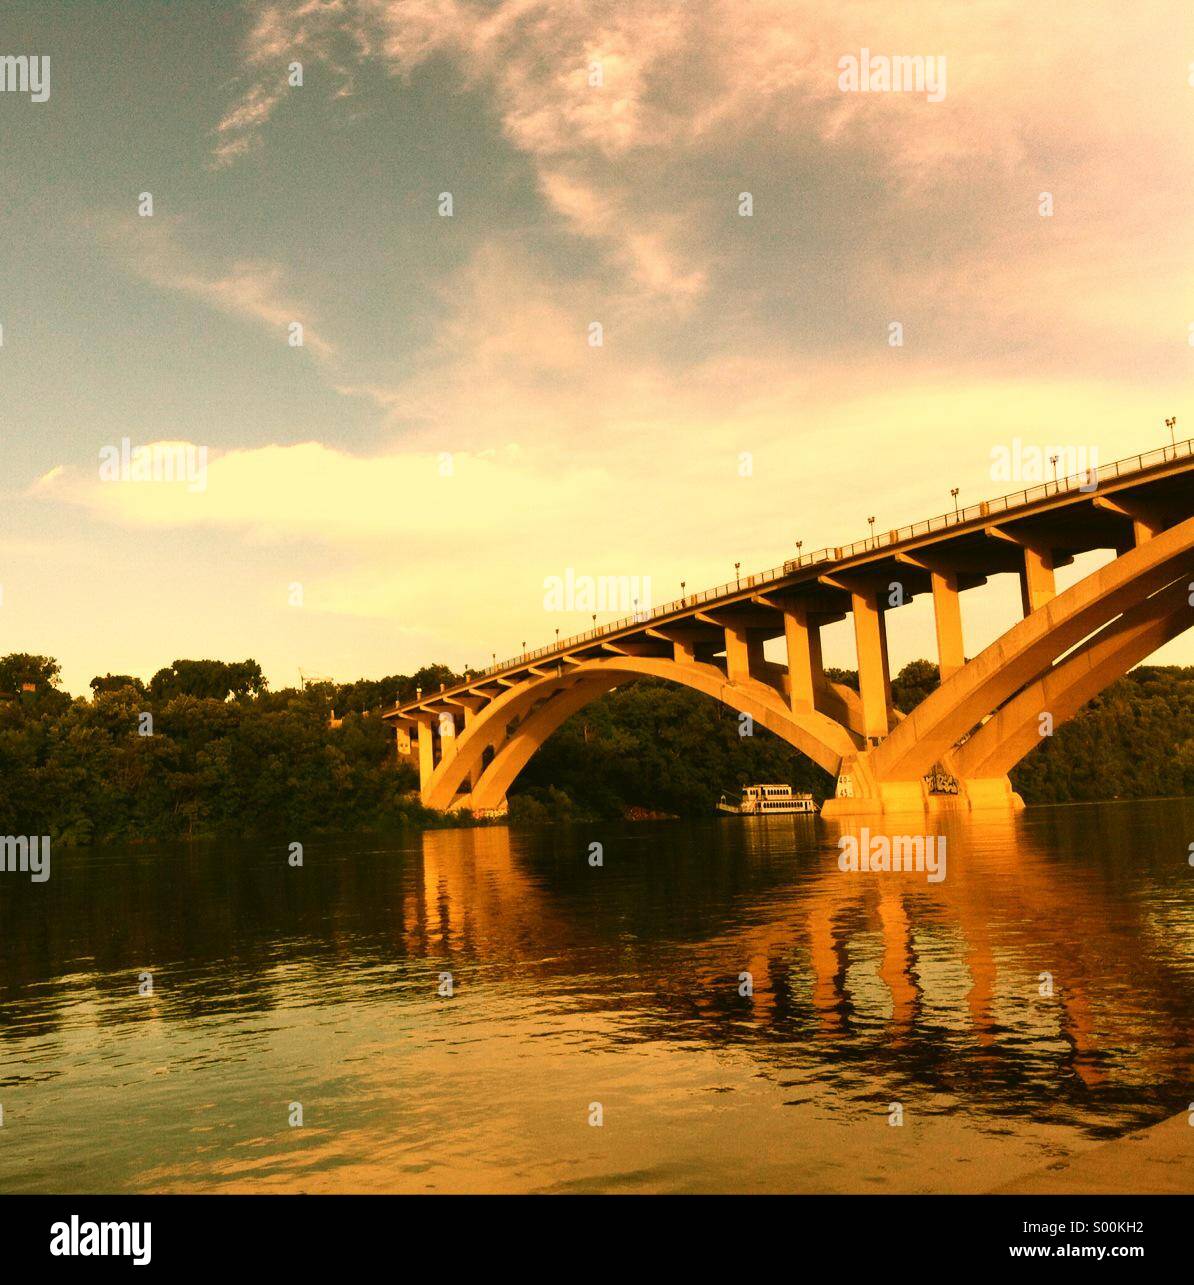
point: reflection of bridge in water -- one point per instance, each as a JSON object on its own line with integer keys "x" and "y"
{"x": 620, "y": 984}
{"x": 946, "y": 974}
{"x": 955, "y": 749}
{"x": 845, "y": 966}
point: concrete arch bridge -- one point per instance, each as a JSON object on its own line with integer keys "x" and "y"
{"x": 956, "y": 748}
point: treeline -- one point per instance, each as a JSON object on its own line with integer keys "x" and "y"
{"x": 206, "y": 749}
{"x": 1134, "y": 741}
{"x": 203, "y": 749}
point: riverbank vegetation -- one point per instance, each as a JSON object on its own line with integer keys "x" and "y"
{"x": 206, "y": 749}
{"x": 203, "y": 749}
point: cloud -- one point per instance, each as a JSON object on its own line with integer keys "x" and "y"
{"x": 568, "y": 88}
{"x": 317, "y": 492}
{"x": 303, "y": 31}
{"x": 252, "y": 289}
{"x": 239, "y": 130}
{"x": 645, "y": 253}
{"x": 613, "y": 197}
{"x": 643, "y": 119}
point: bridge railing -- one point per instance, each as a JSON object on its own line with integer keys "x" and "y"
{"x": 1088, "y": 480}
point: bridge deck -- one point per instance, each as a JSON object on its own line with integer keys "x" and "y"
{"x": 1069, "y": 516}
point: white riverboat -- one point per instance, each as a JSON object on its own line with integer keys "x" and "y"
{"x": 759, "y": 799}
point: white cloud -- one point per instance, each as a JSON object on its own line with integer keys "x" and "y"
{"x": 252, "y": 289}
{"x": 1036, "y": 99}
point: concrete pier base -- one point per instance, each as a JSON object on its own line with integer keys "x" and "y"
{"x": 464, "y": 802}
{"x": 859, "y": 794}
{"x": 925, "y": 805}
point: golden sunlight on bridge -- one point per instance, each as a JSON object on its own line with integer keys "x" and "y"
{"x": 955, "y": 749}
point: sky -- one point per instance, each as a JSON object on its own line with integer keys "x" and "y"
{"x": 400, "y": 488}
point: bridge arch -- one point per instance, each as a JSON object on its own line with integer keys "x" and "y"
{"x": 1014, "y": 731}
{"x": 542, "y": 703}
{"x": 1026, "y": 654}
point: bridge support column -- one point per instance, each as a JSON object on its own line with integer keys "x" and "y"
{"x": 874, "y": 676}
{"x": 803, "y": 639}
{"x": 737, "y": 654}
{"x": 1037, "y": 586}
{"x": 755, "y": 659}
{"x": 947, "y": 614}
{"x": 683, "y": 651}
{"x": 814, "y": 647}
{"x": 446, "y": 727}
{"x": 426, "y": 750}
{"x": 469, "y": 716}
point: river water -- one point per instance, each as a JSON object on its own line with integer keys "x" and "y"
{"x": 902, "y": 1034}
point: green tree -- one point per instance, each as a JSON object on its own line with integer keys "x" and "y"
{"x": 208, "y": 679}
{"x": 20, "y": 668}
{"x": 114, "y": 683}
{"x": 913, "y": 683}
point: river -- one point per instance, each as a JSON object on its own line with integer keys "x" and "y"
{"x": 166, "y": 1014}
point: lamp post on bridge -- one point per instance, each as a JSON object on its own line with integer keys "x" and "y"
{"x": 683, "y": 596}
{"x": 953, "y": 490}
{"x": 1053, "y": 461}
{"x": 1171, "y": 424}
{"x": 872, "y": 522}
{"x": 799, "y": 546}
{"x": 737, "y": 576}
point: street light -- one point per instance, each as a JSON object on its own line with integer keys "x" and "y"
{"x": 1053, "y": 461}
{"x": 872, "y": 522}
{"x": 683, "y": 599}
{"x": 953, "y": 490}
{"x": 1171, "y": 424}
{"x": 737, "y": 577}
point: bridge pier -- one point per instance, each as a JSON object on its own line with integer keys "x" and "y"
{"x": 470, "y": 715}
{"x": 859, "y": 793}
